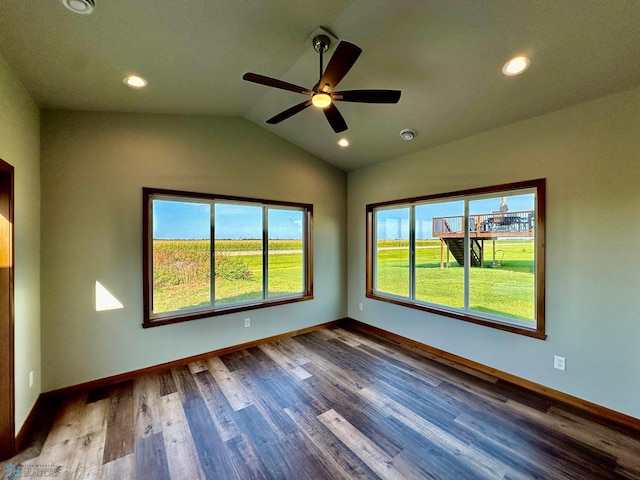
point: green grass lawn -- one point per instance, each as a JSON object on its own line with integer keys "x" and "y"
{"x": 182, "y": 272}
{"x": 508, "y": 291}
{"x": 181, "y": 275}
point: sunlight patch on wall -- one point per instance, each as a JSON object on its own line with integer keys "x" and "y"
{"x": 105, "y": 299}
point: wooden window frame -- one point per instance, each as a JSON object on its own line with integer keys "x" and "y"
{"x": 151, "y": 320}
{"x": 466, "y": 315}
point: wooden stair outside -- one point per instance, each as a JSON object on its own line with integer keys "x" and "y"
{"x": 456, "y": 247}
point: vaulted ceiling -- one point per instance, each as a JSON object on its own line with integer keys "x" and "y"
{"x": 445, "y": 55}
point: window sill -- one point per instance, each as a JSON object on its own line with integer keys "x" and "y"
{"x": 221, "y": 310}
{"x": 538, "y": 332}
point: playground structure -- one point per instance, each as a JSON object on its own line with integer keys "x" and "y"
{"x": 487, "y": 226}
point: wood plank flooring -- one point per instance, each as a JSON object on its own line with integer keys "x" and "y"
{"x": 341, "y": 403}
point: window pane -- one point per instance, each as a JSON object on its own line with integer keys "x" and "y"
{"x": 285, "y": 266}
{"x": 238, "y": 253}
{"x": 392, "y": 251}
{"x": 194, "y": 268}
{"x": 476, "y": 255}
{"x": 181, "y": 255}
{"x": 503, "y": 237}
{"x": 440, "y": 253}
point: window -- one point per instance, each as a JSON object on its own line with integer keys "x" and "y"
{"x": 475, "y": 255}
{"x": 208, "y": 255}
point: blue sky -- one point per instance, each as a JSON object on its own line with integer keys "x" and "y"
{"x": 393, "y": 224}
{"x": 190, "y": 221}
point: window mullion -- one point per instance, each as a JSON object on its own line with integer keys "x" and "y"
{"x": 265, "y": 252}
{"x": 412, "y": 252}
{"x": 212, "y": 250}
{"x": 374, "y": 250}
{"x": 467, "y": 253}
{"x": 306, "y": 262}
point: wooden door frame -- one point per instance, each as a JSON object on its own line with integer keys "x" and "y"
{"x": 7, "y": 354}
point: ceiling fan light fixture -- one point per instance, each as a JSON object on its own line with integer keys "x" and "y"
{"x": 516, "y": 66}
{"x": 321, "y": 100}
{"x": 83, "y": 7}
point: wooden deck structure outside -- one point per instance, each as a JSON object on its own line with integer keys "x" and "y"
{"x": 486, "y": 226}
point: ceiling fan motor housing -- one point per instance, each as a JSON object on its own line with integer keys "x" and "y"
{"x": 321, "y": 43}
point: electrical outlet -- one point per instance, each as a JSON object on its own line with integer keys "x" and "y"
{"x": 31, "y": 379}
{"x": 360, "y": 306}
{"x": 247, "y": 322}
{"x": 558, "y": 362}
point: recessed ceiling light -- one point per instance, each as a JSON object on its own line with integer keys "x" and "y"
{"x": 343, "y": 142}
{"x": 516, "y": 66}
{"x": 134, "y": 81}
{"x": 83, "y": 7}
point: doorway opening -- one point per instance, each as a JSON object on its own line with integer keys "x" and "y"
{"x": 7, "y": 375}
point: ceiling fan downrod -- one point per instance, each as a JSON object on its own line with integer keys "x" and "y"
{"x": 321, "y": 44}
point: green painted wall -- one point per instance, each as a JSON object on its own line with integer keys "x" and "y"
{"x": 94, "y": 166}
{"x": 20, "y": 147}
{"x": 590, "y": 156}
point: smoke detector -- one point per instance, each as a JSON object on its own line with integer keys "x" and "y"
{"x": 83, "y": 7}
{"x": 407, "y": 134}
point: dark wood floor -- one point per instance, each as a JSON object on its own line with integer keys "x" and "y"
{"x": 330, "y": 404}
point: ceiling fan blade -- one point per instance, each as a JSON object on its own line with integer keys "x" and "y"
{"x": 272, "y": 82}
{"x": 368, "y": 96}
{"x": 336, "y": 120}
{"x": 341, "y": 62}
{"x": 289, "y": 112}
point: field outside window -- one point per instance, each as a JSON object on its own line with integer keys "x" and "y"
{"x": 260, "y": 255}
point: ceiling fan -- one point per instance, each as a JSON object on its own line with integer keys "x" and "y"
{"x": 322, "y": 95}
